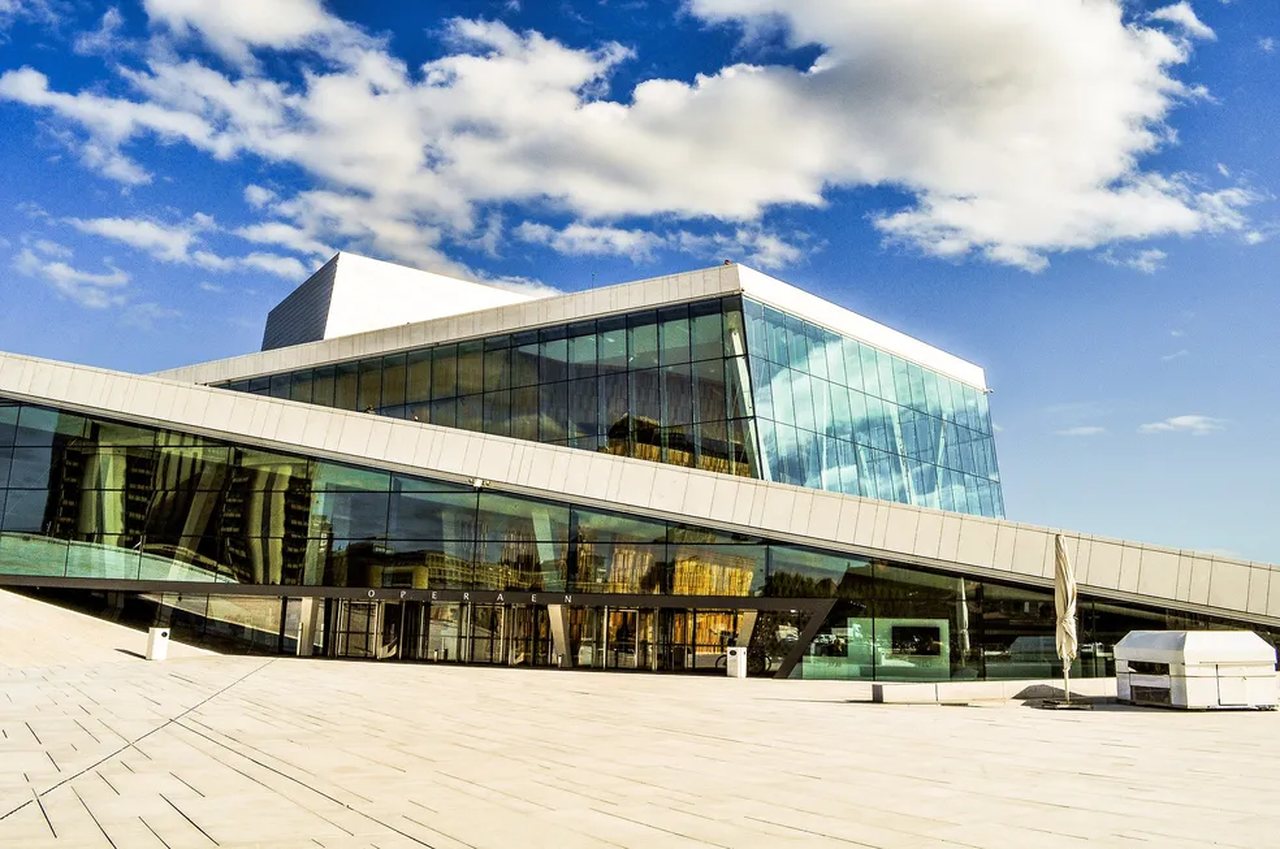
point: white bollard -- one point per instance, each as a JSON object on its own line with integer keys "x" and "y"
{"x": 736, "y": 662}
{"x": 157, "y": 643}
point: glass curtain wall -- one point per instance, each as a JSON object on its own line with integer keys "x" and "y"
{"x": 835, "y": 414}
{"x": 91, "y": 498}
{"x": 668, "y": 385}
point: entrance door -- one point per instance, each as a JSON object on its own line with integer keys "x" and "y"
{"x": 488, "y": 633}
{"x": 621, "y": 636}
{"x": 530, "y": 636}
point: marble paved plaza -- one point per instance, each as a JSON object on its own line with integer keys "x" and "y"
{"x": 99, "y": 748}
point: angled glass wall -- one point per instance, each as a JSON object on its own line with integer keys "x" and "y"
{"x": 835, "y": 414}
{"x": 84, "y": 497}
{"x": 668, "y": 385}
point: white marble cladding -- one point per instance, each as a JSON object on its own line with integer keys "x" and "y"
{"x": 969, "y": 544}
{"x": 564, "y": 309}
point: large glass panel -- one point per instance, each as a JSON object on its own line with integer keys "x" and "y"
{"x": 523, "y": 544}
{"x": 554, "y": 360}
{"x": 344, "y": 386}
{"x": 322, "y": 387}
{"x": 300, "y": 386}
{"x": 584, "y": 408}
{"x": 642, "y": 340}
{"x": 709, "y": 390}
{"x": 444, "y": 372}
{"x": 369, "y": 396}
{"x": 524, "y": 412}
{"x": 393, "y": 380}
{"x": 612, "y": 344}
{"x": 677, "y": 395}
{"x": 470, "y": 367}
{"x": 418, "y": 377}
{"x": 553, "y": 404}
{"x": 582, "y": 352}
{"x": 524, "y": 364}
{"x": 497, "y": 369}
{"x": 673, "y": 335}
{"x": 613, "y": 553}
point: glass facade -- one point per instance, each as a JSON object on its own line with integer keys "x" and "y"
{"x": 835, "y": 414}
{"x": 668, "y": 385}
{"x": 84, "y": 497}
{"x": 728, "y": 385}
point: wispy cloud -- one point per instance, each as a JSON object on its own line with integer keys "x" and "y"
{"x": 1195, "y": 425}
{"x": 1267, "y": 44}
{"x": 1184, "y": 17}
{"x": 92, "y": 289}
{"x": 1176, "y": 355}
{"x": 1083, "y": 430}
{"x": 148, "y": 316}
{"x": 181, "y": 243}
{"x": 1148, "y": 261}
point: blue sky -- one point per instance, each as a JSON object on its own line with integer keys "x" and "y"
{"x": 1079, "y": 196}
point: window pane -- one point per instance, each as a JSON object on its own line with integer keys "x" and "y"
{"x": 418, "y": 379}
{"x": 554, "y": 360}
{"x": 612, "y": 344}
{"x": 582, "y": 355}
{"x": 677, "y": 395}
{"x": 444, "y": 372}
{"x": 584, "y": 408}
{"x": 471, "y": 412}
{"x": 470, "y": 367}
{"x": 497, "y": 369}
{"x": 497, "y": 413}
{"x": 524, "y": 365}
{"x": 642, "y": 336}
{"x": 300, "y": 386}
{"x": 370, "y": 394}
{"x": 344, "y": 386}
{"x": 524, "y": 412}
{"x": 706, "y": 333}
{"x": 554, "y": 409}
{"x": 673, "y": 335}
{"x": 709, "y": 389}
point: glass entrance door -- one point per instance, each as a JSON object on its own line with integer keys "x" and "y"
{"x": 530, "y": 636}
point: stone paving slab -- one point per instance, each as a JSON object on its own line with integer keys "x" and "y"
{"x": 101, "y": 749}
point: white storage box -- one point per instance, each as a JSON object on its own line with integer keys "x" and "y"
{"x": 1196, "y": 669}
{"x": 736, "y": 661}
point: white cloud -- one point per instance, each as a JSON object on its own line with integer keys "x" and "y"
{"x": 585, "y": 240}
{"x": 1083, "y": 430}
{"x": 105, "y": 39}
{"x": 234, "y": 30}
{"x": 1183, "y": 16}
{"x": 1017, "y": 129}
{"x": 146, "y": 316}
{"x": 1193, "y": 424}
{"x": 180, "y": 244}
{"x": 285, "y": 235}
{"x": 206, "y": 286}
{"x": 258, "y": 196}
{"x": 749, "y": 244}
{"x": 167, "y": 243}
{"x": 1147, "y": 260}
{"x": 95, "y": 290}
{"x": 1267, "y": 44}
{"x": 1176, "y": 355}
{"x": 52, "y": 249}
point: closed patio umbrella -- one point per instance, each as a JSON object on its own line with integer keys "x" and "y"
{"x": 1064, "y": 603}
